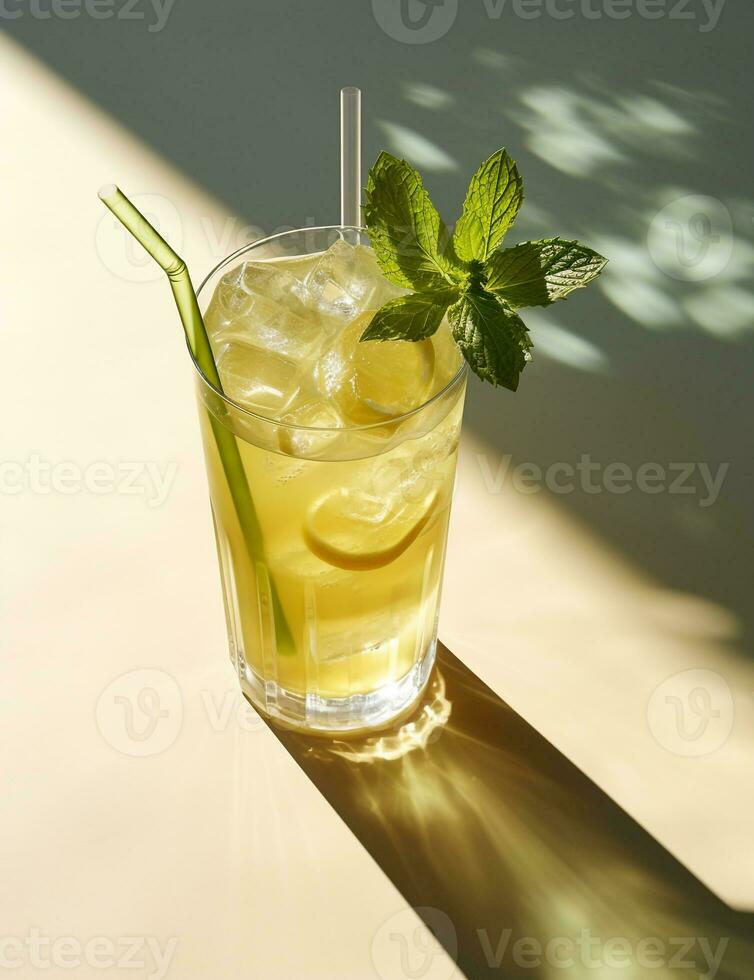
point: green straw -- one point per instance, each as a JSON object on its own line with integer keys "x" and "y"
{"x": 196, "y": 334}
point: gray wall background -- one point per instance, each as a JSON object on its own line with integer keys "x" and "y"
{"x": 612, "y": 119}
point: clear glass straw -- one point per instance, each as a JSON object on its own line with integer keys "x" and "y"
{"x": 350, "y": 157}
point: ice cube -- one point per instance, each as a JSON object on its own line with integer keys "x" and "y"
{"x": 259, "y": 379}
{"x": 312, "y": 427}
{"x": 333, "y": 369}
{"x": 260, "y": 304}
{"x": 374, "y": 634}
{"x": 347, "y": 280}
{"x": 238, "y": 289}
{"x": 229, "y": 300}
{"x": 275, "y": 281}
{"x": 416, "y": 466}
{"x": 275, "y": 328}
{"x": 378, "y": 290}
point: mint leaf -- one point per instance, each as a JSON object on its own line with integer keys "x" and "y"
{"x": 539, "y": 273}
{"x": 406, "y": 232}
{"x": 413, "y": 317}
{"x": 491, "y": 336}
{"x": 469, "y": 278}
{"x": 493, "y": 201}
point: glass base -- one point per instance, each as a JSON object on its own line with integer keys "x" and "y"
{"x": 315, "y": 713}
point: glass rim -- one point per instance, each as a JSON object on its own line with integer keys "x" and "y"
{"x": 238, "y": 407}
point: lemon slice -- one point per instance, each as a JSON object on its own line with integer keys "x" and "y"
{"x": 351, "y": 529}
{"x": 392, "y": 377}
{"x": 376, "y": 381}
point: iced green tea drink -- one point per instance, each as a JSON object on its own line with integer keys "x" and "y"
{"x": 349, "y": 450}
{"x": 331, "y": 381}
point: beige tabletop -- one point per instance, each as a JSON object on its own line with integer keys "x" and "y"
{"x": 147, "y": 813}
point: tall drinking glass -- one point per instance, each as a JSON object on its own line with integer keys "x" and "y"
{"x": 331, "y": 597}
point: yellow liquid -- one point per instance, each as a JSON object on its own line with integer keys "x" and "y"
{"x": 361, "y": 612}
{"x": 354, "y": 539}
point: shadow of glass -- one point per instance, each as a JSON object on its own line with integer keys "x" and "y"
{"x": 474, "y": 816}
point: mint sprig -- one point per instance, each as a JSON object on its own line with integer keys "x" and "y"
{"x": 468, "y": 277}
